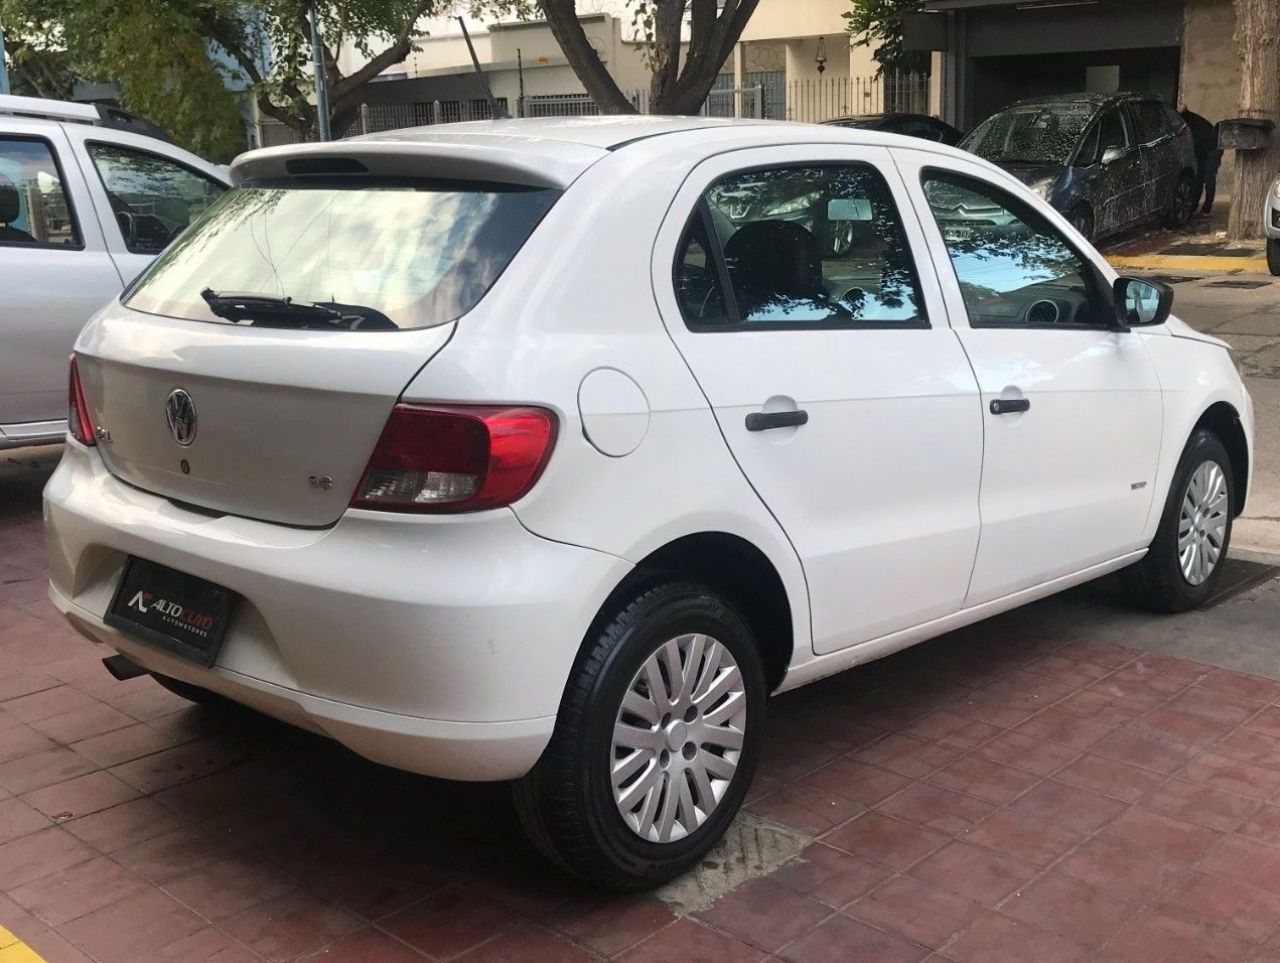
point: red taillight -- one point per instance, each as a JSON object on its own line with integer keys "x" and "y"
{"x": 447, "y": 459}
{"x": 79, "y": 421}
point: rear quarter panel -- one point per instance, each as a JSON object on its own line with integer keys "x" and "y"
{"x": 578, "y": 298}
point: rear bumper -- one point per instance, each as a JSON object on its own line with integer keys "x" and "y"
{"x": 440, "y": 646}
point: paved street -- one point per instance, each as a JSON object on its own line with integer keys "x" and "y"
{"x": 1071, "y": 781}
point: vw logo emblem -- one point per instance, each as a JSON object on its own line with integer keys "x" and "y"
{"x": 180, "y": 414}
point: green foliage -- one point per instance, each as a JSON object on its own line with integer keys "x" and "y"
{"x": 170, "y": 59}
{"x": 878, "y": 23}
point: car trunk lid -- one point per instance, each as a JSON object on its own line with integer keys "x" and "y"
{"x": 278, "y": 426}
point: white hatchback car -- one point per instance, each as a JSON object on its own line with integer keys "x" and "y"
{"x": 89, "y": 195}
{"x": 546, "y": 450}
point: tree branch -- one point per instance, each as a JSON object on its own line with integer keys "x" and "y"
{"x": 399, "y": 49}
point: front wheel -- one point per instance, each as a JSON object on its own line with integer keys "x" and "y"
{"x": 658, "y": 735}
{"x": 1273, "y": 255}
{"x": 1185, "y": 560}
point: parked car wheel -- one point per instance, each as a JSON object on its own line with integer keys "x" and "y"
{"x": 658, "y": 734}
{"x": 1182, "y": 203}
{"x": 1273, "y": 255}
{"x": 1185, "y": 560}
{"x": 1081, "y": 218}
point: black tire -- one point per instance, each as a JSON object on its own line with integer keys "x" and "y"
{"x": 193, "y": 693}
{"x": 1157, "y": 582}
{"x": 1081, "y": 218}
{"x": 1273, "y": 255}
{"x": 567, "y": 804}
{"x": 1182, "y": 202}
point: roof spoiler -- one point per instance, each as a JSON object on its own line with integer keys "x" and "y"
{"x": 420, "y": 154}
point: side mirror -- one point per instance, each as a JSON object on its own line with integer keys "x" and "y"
{"x": 1111, "y": 155}
{"x": 1141, "y": 303}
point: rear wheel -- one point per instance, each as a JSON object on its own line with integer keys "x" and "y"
{"x": 1185, "y": 560}
{"x": 657, "y": 738}
{"x": 1081, "y": 218}
{"x": 1182, "y": 203}
{"x": 1273, "y": 255}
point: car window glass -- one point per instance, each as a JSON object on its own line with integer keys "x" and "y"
{"x": 1088, "y": 154}
{"x": 1151, "y": 121}
{"x": 697, "y": 277}
{"x": 818, "y": 246}
{"x": 33, "y": 205}
{"x": 1014, "y": 268}
{"x": 1115, "y": 132}
{"x": 153, "y": 198}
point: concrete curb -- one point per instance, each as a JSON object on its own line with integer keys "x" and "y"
{"x": 1187, "y": 262}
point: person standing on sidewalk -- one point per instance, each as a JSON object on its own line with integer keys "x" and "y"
{"x": 1204, "y": 142}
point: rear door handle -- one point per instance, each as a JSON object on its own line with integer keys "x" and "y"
{"x": 764, "y": 420}
{"x": 1009, "y": 406}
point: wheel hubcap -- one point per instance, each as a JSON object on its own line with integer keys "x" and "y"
{"x": 677, "y": 738}
{"x": 1202, "y": 524}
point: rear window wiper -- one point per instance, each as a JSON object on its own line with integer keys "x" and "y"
{"x": 273, "y": 311}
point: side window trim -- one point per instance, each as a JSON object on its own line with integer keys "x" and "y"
{"x": 65, "y": 186}
{"x": 1094, "y": 279}
{"x": 735, "y": 322}
{"x": 716, "y": 253}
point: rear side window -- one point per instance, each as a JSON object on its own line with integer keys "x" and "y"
{"x": 798, "y": 246}
{"x": 153, "y": 198}
{"x": 34, "y": 211}
{"x": 374, "y": 257}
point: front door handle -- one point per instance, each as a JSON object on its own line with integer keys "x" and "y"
{"x": 1009, "y": 406}
{"x": 764, "y": 420}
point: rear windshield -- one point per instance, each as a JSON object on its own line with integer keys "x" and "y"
{"x": 371, "y": 257}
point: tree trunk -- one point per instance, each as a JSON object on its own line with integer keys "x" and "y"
{"x": 562, "y": 17}
{"x": 1258, "y": 41}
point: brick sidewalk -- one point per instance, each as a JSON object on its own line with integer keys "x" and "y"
{"x": 1007, "y": 793}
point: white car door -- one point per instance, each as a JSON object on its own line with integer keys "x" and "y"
{"x": 55, "y": 272}
{"x": 148, "y": 191}
{"x": 792, "y": 285}
{"x": 1072, "y": 406}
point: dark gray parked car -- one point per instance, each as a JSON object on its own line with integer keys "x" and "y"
{"x": 1106, "y": 161}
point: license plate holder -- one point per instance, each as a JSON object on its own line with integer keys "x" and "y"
{"x": 171, "y": 610}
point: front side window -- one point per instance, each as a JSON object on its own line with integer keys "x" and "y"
{"x": 1014, "y": 268}
{"x": 153, "y": 199}
{"x": 1114, "y": 132}
{"x": 1152, "y": 121}
{"x": 33, "y": 205}
{"x": 808, "y": 246}
{"x": 344, "y": 257}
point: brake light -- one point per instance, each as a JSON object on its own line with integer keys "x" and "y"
{"x": 456, "y": 459}
{"x": 79, "y": 421}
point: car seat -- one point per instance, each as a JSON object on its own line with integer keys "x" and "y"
{"x": 10, "y": 209}
{"x": 773, "y": 264}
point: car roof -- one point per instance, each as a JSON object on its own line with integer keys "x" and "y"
{"x": 1083, "y": 97}
{"x": 605, "y": 132}
{"x": 542, "y": 152}
{"x": 69, "y": 111}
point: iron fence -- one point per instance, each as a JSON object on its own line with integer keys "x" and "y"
{"x": 803, "y": 100}
{"x": 814, "y": 101}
